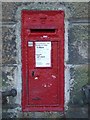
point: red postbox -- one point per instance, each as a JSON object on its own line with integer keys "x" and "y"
{"x": 42, "y": 34}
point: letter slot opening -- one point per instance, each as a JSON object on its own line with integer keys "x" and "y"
{"x": 42, "y": 30}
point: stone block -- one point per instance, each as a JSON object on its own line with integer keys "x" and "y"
{"x": 28, "y": 115}
{"x": 56, "y": 115}
{"x": 9, "y": 50}
{"x": 79, "y": 78}
{"x": 77, "y": 9}
{"x": 8, "y": 77}
{"x": 8, "y": 11}
{"x": 78, "y": 44}
{"x": 77, "y": 112}
{"x": 0, "y": 78}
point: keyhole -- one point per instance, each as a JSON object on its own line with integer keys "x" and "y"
{"x": 32, "y": 73}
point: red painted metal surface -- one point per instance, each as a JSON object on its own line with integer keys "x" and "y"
{"x": 42, "y": 86}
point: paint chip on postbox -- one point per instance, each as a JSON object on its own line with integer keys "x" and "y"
{"x": 30, "y": 44}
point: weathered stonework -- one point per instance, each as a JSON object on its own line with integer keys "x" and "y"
{"x": 76, "y": 55}
{"x": 79, "y": 78}
{"x": 8, "y": 77}
{"x": 78, "y": 44}
{"x": 77, "y": 9}
{"x": 9, "y": 50}
{"x": 8, "y": 11}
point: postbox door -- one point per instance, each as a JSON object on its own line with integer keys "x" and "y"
{"x": 43, "y": 73}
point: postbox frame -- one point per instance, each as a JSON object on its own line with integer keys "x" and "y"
{"x": 24, "y": 47}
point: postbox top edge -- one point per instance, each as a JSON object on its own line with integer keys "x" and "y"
{"x": 24, "y": 11}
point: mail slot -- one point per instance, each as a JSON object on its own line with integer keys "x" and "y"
{"x": 42, "y": 34}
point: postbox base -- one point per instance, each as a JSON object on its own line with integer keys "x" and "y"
{"x": 43, "y": 109}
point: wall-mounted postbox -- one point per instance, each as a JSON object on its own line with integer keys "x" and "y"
{"x": 42, "y": 34}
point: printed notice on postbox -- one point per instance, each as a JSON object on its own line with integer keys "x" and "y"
{"x": 43, "y": 54}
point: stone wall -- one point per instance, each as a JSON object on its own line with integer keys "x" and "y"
{"x": 76, "y": 52}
